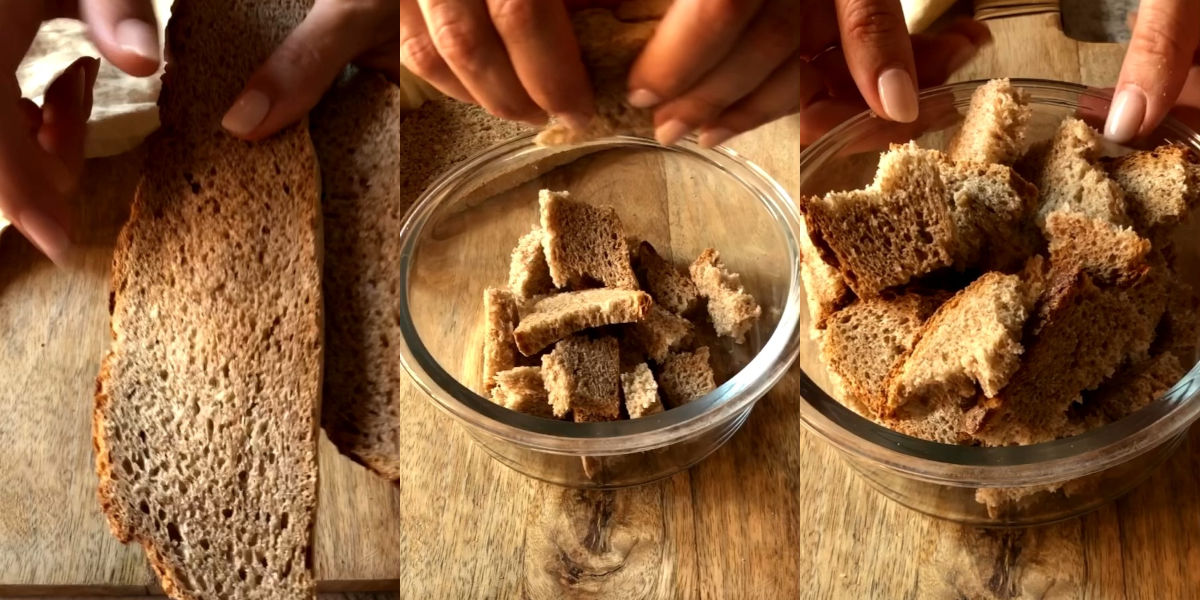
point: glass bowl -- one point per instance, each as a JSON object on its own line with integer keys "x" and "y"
{"x": 1009, "y": 486}
{"x": 458, "y": 239}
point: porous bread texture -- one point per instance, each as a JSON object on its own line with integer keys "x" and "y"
{"x": 991, "y": 206}
{"x": 993, "y": 131}
{"x": 1179, "y": 329}
{"x": 1110, "y": 253}
{"x": 641, "y": 392}
{"x": 732, "y": 310}
{"x": 972, "y": 344}
{"x": 1132, "y": 388}
{"x": 659, "y": 333}
{"x": 207, "y": 402}
{"x": 945, "y": 423}
{"x": 863, "y": 342}
{"x": 499, "y": 351}
{"x": 608, "y": 47}
{"x": 522, "y": 389}
{"x": 670, "y": 288}
{"x": 1161, "y": 186}
{"x": 584, "y": 243}
{"x": 528, "y": 273}
{"x": 556, "y": 317}
{"x": 825, "y": 289}
{"x": 1071, "y": 180}
{"x": 686, "y": 376}
{"x": 582, "y": 377}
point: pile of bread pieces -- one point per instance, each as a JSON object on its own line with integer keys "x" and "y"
{"x": 1002, "y": 292}
{"x": 583, "y": 318}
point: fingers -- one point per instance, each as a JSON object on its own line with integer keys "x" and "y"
{"x": 939, "y": 55}
{"x": 418, "y": 54}
{"x": 462, "y": 33}
{"x": 876, "y": 43}
{"x": 125, "y": 32}
{"x": 65, "y": 112}
{"x": 1156, "y": 64}
{"x": 691, "y": 39}
{"x": 545, "y": 55}
{"x": 294, "y": 77}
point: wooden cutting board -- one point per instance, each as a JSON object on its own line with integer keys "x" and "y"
{"x": 772, "y": 514}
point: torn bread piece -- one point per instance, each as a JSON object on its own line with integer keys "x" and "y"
{"x": 1070, "y": 178}
{"x": 1110, "y": 253}
{"x": 733, "y": 311}
{"x": 993, "y": 130}
{"x": 945, "y": 423}
{"x": 522, "y": 389}
{"x": 686, "y": 376}
{"x": 972, "y": 343}
{"x": 561, "y": 315}
{"x": 1133, "y": 388}
{"x": 1179, "y": 329}
{"x": 582, "y": 377}
{"x": 641, "y": 392}
{"x": 670, "y": 288}
{"x": 1161, "y": 186}
{"x": 499, "y": 350}
{"x": 659, "y": 333}
{"x": 991, "y": 205}
{"x": 528, "y": 273}
{"x": 584, "y": 243}
{"x": 825, "y": 289}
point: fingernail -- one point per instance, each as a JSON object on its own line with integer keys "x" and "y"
{"x": 247, "y": 113}
{"x": 643, "y": 98}
{"x": 1126, "y": 115}
{"x": 712, "y": 137}
{"x": 138, "y": 37}
{"x": 575, "y": 121}
{"x": 670, "y": 132}
{"x": 962, "y": 57}
{"x": 47, "y": 235}
{"x": 898, "y": 95}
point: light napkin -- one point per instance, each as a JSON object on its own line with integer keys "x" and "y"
{"x": 920, "y": 14}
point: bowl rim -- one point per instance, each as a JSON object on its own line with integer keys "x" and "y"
{"x": 721, "y": 405}
{"x": 972, "y": 466}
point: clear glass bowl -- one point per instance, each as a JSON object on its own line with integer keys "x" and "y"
{"x": 1012, "y": 486}
{"x": 458, "y": 239}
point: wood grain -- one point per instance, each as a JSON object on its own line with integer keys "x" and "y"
{"x": 774, "y": 513}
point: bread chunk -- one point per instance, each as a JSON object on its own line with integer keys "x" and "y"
{"x": 993, "y": 130}
{"x": 1071, "y": 180}
{"x": 1133, "y": 388}
{"x": 686, "y": 376}
{"x": 1161, "y": 186}
{"x": 945, "y": 423}
{"x": 670, "y": 288}
{"x": 499, "y": 350}
{"x": 207, "y": 403}
{"x": 582, "y": 377}
{"x": 733, "y": 311}
{"x": 992, "y": 208}
{"x": 1110, "y": 253}
{"x": 584, "y": 243}
{"x": 561, "y": 315}
{"x": 641, "y": 392}
{"x": 863, "y": 342}
{"x": 522, "y": 389}
{"x": 660, "y": 333}
{"x": 972, "y": 343}
{"x": 824, "y": 288}
{"x": 528, "y": 273}
{"x": 1179, "y": 329}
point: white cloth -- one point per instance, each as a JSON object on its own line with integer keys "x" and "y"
{"x": 920, "y": 14}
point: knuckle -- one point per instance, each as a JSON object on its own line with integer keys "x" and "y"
{"x": 300, "y": 57}
{"x": 457, "y": 42}
{"x": 418, "y": 55}
{"x": 702, "y": 107}
{"x": 1155, "y": 40}
{"x": 514, "y": 15}
{"x": 867, "y": 21}
{"x": 777, "y": 38}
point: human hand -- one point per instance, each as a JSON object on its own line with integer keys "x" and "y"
{"x": 1159, "y": 71}
{"x": 41, "y": 147}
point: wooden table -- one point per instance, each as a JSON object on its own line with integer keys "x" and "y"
{"x": 773, "y": 514}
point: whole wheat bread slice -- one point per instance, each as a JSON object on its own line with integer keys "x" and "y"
{"x": 523, "y": 390}
{"x": 208, "y": 400}
{"x": 1133, "y": 388}
{"x": 658, "y": 334}
{"x": 528, "y": 273}
{"x": 499, "y": 320}
{"x": 992, "y": 208}
{"x": 686, "y": 376}
{"x": 584, "y": 243}
{"x": 640, "y": 391}
{"x": 1161, "y": 185}
{"x": 993, "y": 130}
{"x": 561, "y": 315}
{"x": 583, "y": 377}
{"x": 1071, "y": 178}
{"x": 824, "y": 288}
{"x": 732, "y": 310}
{"x": 670, "y": 288}
{"x": 1110, "y": 253}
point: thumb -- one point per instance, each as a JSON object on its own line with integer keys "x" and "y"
{"x": 293, "y": 78}
{"x": 1156, "y": 65}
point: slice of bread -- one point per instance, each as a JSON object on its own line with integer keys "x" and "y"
{"x": 891, "y": 233}
{"x": 732, "y": 310}
{"x": 659, "y": 333}
{"x": 207, "y": 402}
{"x": 1110, "y": 253}
{"x": 1179, "y": 329}
{"x": 522, "y": 389}
{"x": 1161, "y": 185}
{"x": 863, "y": 342}
{"x": 641, "y": 392}
{"x": 993, "y": 130}
{"x": 608, "y": 47}
{"x": 583, "y": 377}
{"x": 584, "y": 244}
{"x": 945, "y": 423}
{"x": 561, "y": 315}
{"x": 1070, "y": 179}
{"x": 991, "y": 205}
{"x": 824, "y": 288}
{"x": 1133, "y": 388}
{"x": 686, "y": 376}
{"x": 670, "y": 288}
{"x": 499, "y": 350}
{"x": 528, "y": 273}
{"x": 972, "y": 343}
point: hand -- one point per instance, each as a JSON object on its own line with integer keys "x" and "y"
{"x": 41, "y": 147}
{"x": 727, "y": 67}
{"x": 1160, "y": 65}
{"x": 292, "y": 80}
